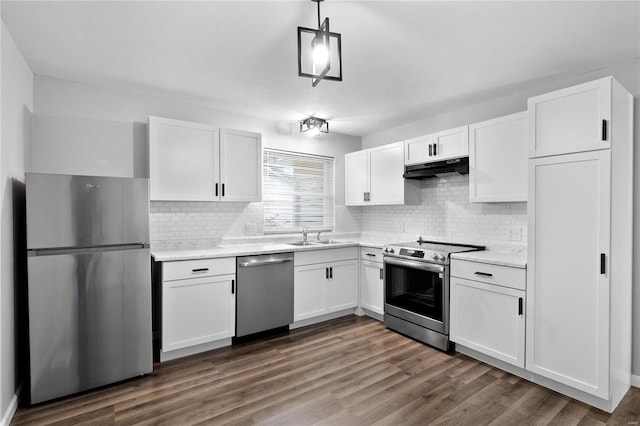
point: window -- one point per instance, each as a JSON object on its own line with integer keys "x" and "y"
{"x": 297, "y": 191}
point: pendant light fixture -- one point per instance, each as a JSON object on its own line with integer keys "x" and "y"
{"x": 319, "y": 52}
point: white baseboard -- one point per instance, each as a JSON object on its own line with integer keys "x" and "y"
{"x": 11, "y": 411}
{"x": 192, "y": 350}
{"x": 635, "y": 381}
{"x": 321, "y": 318}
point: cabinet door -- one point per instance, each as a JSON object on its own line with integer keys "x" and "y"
{"x": 386, "y": 166}
{"x": 197, "y": 310}
{"x": 240, "y": 166}
{"x": 498, "y": 159}
{"x": 571, "y": 120}
{"x": 371, "y": 288}
{"x": 310, "y": 291}
{"x": 451, "y": 143}
{"x": 567, "y": 292}
{"x": 356, "y": 178}
{"x": 343, "y": 285}
{"x": 417, "y": 151}
{"x": 181, "y": 160}
{"x": 489, "y": 319}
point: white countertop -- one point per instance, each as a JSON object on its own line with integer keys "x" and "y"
{"x": 168, "y": 255}
{"x": 515, "y": 259}
{"x": 505, "y": 256}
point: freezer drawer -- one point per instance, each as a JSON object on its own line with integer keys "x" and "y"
{"x": 85, "y": 211}
{"x": 89, "y": 320}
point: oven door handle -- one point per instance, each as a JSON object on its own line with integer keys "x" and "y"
{"x": 424, "y": 266}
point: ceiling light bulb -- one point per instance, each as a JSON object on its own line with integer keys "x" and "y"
{"x": 315, "y": 131}
{"x": 320, "y": 55}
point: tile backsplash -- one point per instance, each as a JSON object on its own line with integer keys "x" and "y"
{"x": 209, "y": 221}
{"x": 445, "y": 213}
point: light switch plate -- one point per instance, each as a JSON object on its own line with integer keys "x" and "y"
{"x": 250, "y": 229}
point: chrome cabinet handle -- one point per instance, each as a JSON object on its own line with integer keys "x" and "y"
{"x": 199, "y": 270}
{"x": 484, "y": 274}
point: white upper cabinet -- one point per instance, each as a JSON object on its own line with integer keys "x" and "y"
{"x": 386, "y": 166}
{"x": 356, "y": 178}
{"x": 240, "y": 166}
{"x": 498, "y": 159}
{"x": 188, "y": 163}
{"x": 574, "y": 119}
{"x": 452, "y": 143}
{"x": 181, "y": 160}
{"x": 417, "y": 150}
{"x": 374, "y": 177}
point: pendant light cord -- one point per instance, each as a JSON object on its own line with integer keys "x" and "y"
{"x": 318, "y": 14}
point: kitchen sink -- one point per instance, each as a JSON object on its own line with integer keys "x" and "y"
{"x": 314, "y": 243}
{"x": 303, "y": 243}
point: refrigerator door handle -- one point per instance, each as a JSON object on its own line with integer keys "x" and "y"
{"x": 74, "y": 250}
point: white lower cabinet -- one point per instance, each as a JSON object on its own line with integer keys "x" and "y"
{"x": 198, "y": 303}
{"x": 371, "y": 280}
{"x": 487, "y": 309}
{"x": 310, "y": 291}
{"x": 325, "y": 287}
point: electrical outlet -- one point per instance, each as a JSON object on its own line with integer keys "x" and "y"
{"x": 250, "y": 229}
{"x": 515, "y": 234}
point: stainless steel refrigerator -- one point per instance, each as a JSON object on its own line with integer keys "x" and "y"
{"x": 89, "y": 282}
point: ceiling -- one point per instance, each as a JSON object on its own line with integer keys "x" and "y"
{"x": 401, "y": 59}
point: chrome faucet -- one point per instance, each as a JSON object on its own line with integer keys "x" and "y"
{"x": 304, "y": 233}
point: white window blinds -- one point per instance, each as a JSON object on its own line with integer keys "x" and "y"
{"x": 297, "y": 191}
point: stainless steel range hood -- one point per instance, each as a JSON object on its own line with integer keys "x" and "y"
{"x": 455, "y": 166}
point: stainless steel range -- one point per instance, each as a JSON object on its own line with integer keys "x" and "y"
{"x": 416, "y": 289}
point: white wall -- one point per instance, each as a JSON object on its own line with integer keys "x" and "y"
{"x": 17, "y": 107}
{"x": 80, "y": 128}
{"x": 627, "y": 74}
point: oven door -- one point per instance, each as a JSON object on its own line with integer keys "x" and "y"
{"x": 417, "y": 292}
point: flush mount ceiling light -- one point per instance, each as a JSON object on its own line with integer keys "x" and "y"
{"x": 314, "y": 126}
{"x": 319, "y": 52}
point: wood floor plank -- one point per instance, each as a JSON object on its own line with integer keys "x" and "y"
{"x": 348, "y": 371}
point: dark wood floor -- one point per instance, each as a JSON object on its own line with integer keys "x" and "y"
{"x": 349, "y": 371}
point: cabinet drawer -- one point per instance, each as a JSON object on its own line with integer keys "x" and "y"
{"x": 504, "y": 276}
{"x": 372, "y": 254}
{"x": 183, "y": 269}
{"x": 310, "y": 257}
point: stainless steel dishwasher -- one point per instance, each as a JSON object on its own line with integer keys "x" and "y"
{"x": 264, "y": 298}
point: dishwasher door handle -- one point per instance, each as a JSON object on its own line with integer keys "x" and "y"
{"x": 264, "y": 262}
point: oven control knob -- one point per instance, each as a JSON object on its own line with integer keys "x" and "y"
{"x": 386, "y": 249}
{"x": 391, "y": 251}
{"x": 442, "y": 258}
{"x": 435, "y": 256}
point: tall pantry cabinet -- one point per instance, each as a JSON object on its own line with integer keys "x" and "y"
{"x": 579, "y": 273}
